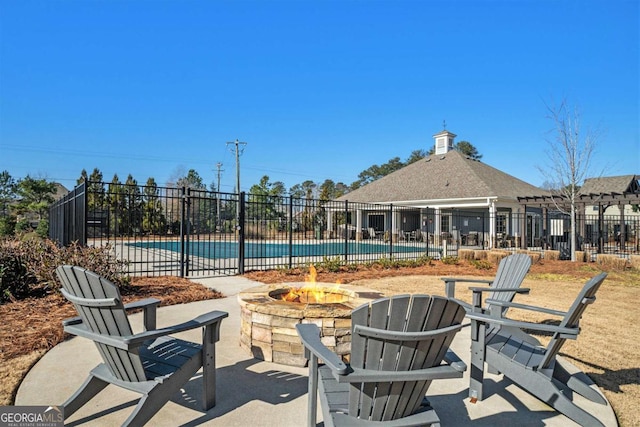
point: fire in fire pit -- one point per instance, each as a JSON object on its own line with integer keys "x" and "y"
{"x": 311, "y": 293}
{"x": 270, "y": 313}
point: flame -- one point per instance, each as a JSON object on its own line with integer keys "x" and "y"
{"x": 312, "y": 293}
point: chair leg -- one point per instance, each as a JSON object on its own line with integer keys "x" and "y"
{"x": 478, "y": 331}
{"x": 209, "y": 368}
{"x": 91, "y": 386}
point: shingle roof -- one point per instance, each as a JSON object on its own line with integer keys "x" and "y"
{"x": 448, "y": 176}
{"x": 612, "y": 184}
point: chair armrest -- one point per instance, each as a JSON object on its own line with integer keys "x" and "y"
{"x": 371, "y": 376}
{"x": 570, "y": 333}
{"x": 201, "y": 321}
{"x": 517, "y": 290}
{"x": 132, "y": 341}
{"x": 310, "y": 337}
{"x": 142, "y": 303}
{"x": 498, "y": 303}
{"x": 450, "y": 284}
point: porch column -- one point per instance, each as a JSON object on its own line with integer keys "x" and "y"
{"x": 330, "y": 224}
{"x": 358, "y": 225}
{"x": 623, "y": 233}
{"x": 492, "y": 224}
{"x": 395, "y": 221}
{"x": 436, "y": 227}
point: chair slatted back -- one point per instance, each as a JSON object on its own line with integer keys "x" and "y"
{"x": 511, "y": 272}
{"x": 572, "y": 319}
{"x": 99, "y": 305}
{"x": 405, "y": 313}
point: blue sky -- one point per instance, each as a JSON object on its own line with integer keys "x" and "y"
{"x": 317, "y": 89}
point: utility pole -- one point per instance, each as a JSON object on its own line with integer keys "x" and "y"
{"x": 238, "y": 151}
{"x": 219, "y": 166}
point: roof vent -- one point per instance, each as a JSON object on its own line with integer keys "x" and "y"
{"x": 428, "y": 159}
{"x": 443, "y": 157}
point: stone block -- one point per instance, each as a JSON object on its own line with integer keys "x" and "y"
{"x": 328, "y": 341}
{"x": 261, "y": 334}
{"x": 281, "y": 346}
{"x": 263, "y": 319}
{"x": 285, "y": 337}
{"x": 284, "y": 331}
{"x": 262, "y": 351}
{"x": 343, "y": 323}
{"x": 284, "y": 322}
{"x": 289, "y": 359}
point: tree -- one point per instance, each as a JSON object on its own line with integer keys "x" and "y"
{"x": 192, "y": 180}
{"x": 464, "y": 147}
{"x": 7, "y": 192}
{"x": 329, "y": 190}
{"x": 415, "y": 156}
{"x": 377, "y": 172}
{"x": 35, "y": 195}
{"x": 569, "y": 156}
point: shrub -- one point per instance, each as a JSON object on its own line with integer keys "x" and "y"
{"x": 43, "y": 229}
{"x": 494, "y": 257}
{"x": 611, "y": 261}
{"x": 635, "y": 261}
{"x": 479, "y": 254}
{"x": 552, "y": 255}
{"x": 29, "y": 264}
{"x": 15, "y": 279}
{"x": 481, "y": 264}
{"x": 7, "y": 226}
{"x": 467, "y": 254}
{"x": 449, "y": 260}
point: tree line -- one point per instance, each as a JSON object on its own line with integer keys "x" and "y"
{"x": 24, "y": 202}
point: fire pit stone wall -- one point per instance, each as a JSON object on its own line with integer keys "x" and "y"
{"x": 268, "y": 324}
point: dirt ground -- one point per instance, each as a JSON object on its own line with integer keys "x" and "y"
{"x": 608, "y": 348}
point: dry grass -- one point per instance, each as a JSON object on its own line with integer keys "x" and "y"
{"x": 608, "y": 348}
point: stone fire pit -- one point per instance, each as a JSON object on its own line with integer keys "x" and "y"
{"x": 268, "y": 323}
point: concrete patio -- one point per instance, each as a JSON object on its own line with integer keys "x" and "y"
{"x": 251, "y": 392}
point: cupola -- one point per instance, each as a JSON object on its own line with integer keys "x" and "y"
{"x": 444, "y": 142}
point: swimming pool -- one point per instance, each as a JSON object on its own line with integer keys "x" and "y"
{"x": 223, "y": 249}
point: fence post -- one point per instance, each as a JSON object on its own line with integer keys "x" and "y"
{"x": 240, "y": 227}
{"x": 290, "y": 231}
{"x": 346, "y": 231}
{"x": 182, "y": 217}
{"x": 390, "y": 231}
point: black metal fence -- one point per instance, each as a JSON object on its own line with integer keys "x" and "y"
{"x": 186, "y": 232}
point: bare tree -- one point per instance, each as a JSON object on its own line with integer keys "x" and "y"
{"x": 569, "y": 156}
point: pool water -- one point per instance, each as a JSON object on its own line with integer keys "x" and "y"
{"x": 222, "y": 249}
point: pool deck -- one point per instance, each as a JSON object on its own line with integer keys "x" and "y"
{"x": 257, "y": 393}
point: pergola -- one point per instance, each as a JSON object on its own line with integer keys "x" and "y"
{"x": 608, "y": 194}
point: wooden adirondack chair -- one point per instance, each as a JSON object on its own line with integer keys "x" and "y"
{"x": 151, "y": 362}
{"x": 511, "y": 272}
{"x": 397, "y": 349}
{"x": 535, "y": 368}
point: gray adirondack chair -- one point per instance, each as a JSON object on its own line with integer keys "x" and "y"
{"x": 533, "y": 367}
{"x": 511, "y": 272}
{"x": 399, "y": 345}
{"x": 151, "y": 363}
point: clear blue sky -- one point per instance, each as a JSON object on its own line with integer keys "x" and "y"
{"x": 317, "y": 89}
